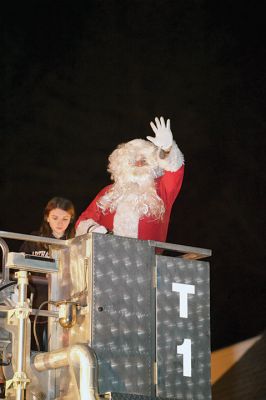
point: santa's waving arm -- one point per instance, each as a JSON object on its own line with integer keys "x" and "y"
{"x": 170, "y": 158}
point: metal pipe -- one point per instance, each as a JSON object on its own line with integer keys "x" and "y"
{"x": 22, "y": 297}
{"x": 77, "y": 355}
{"x": 5, "y": 251}
{"x": 88, "y": 372}
{"x": 195, "y": 252}
{"x": 32, "y": 238}
{"x": 34, "y": 311}
{"x": 22, "y": 316}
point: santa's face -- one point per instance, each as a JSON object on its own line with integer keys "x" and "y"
{"x": 133, "y": 162}
{"x": 140, "y": 161}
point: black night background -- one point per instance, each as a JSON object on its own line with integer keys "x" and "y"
{"x": 78, "y": 78}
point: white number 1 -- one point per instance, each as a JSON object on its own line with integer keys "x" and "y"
{"x": 185, "y": 350}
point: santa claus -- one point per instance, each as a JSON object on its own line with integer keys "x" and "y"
{"x": 147, "y": 178}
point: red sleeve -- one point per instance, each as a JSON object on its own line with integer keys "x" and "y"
{"x": 170, "y": 184}
{"x": 92, "y": 211}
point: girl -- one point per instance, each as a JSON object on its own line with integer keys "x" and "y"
{"x": 58, "y": 223}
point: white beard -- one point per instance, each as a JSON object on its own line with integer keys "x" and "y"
{"x": 126, "y": 220}
{"x": 132, "y": 198}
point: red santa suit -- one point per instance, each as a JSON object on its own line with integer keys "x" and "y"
{"x": 147, "y": 226}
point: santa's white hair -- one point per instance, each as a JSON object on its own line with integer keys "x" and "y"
{"x": 133, "y": 191}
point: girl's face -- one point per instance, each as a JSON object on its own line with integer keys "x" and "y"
{"x": 58, "y": 220}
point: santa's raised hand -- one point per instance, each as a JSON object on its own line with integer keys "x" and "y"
{"x": 163, "y": 135}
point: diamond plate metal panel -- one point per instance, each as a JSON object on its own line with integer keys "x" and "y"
{"x": 175, "y": 379}
{"x": 123, "y": 314}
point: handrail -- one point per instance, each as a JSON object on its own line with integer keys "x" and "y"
{"x": 192, "y": 253}
{"x": 32, "y": 238}
{"x": 5, "y": 250}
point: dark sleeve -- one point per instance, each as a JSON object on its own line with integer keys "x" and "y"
{"x": 30, "y": 247}
{"x": 25, "y": 247}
